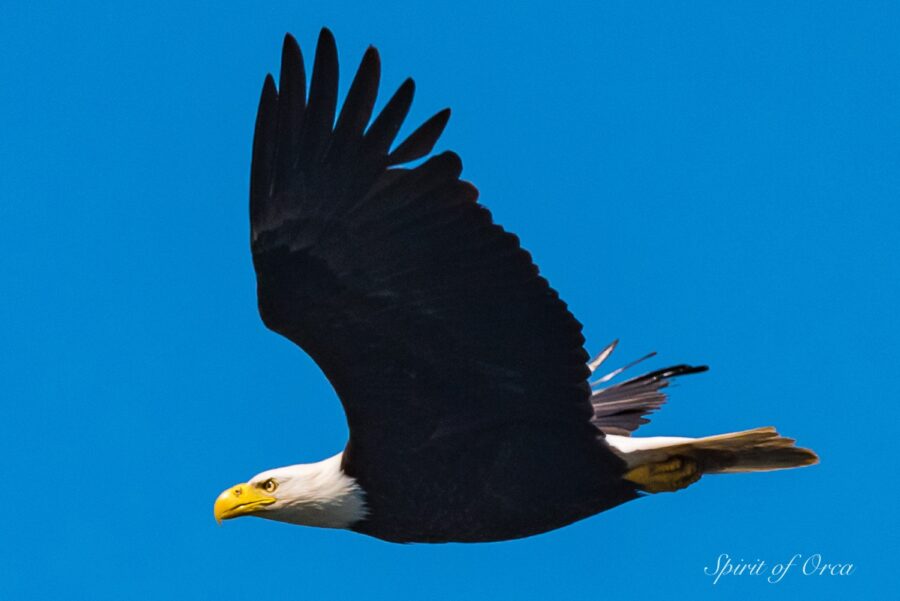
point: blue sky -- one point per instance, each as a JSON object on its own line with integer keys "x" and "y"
{"x": 717, "y": 182}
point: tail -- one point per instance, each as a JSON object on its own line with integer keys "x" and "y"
{"x": 757, "y": 450}
{"x": 663, "y": 463}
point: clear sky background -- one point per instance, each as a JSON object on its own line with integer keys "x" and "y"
{"x": 714, "y": 181}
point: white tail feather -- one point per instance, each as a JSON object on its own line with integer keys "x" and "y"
{"x": 757, "y": 450}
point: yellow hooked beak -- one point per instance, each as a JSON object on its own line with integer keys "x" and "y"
{"x": 239, "y": 500}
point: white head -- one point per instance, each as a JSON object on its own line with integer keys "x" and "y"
{"x": 312, "y": 494}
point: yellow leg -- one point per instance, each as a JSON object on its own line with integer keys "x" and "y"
{"x": 666, "y": 476}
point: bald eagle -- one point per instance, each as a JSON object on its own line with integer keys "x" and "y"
{"x": 469, "y": 397}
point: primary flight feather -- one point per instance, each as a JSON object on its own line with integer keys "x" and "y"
{"x": 462, "y": 373}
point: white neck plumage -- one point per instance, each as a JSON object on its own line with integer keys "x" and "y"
{"x": 315, "y": 494}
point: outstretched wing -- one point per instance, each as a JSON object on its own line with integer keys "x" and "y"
{"x": 427, "y": 318}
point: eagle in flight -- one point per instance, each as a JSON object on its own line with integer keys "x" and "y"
{"x": 471, "y": 405}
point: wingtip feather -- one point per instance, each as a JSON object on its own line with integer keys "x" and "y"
{"x": 383, "y": 131}
{"x": 421, "y": 141}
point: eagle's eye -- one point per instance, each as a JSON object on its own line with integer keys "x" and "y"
{"x": 270, "y": 485}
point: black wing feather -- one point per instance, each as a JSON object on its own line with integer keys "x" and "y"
{"x": 622, "y": 408}
{"x": 264, "y": 146}
{"x": 291, "y": 105}
{"x": 384, "y": 129}
{"x": 421, "y": 141}
{"x": 318, "y": 119}
{"x": 360, "y": 101}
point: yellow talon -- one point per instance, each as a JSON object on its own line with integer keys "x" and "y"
{"x": 665, "y": 476}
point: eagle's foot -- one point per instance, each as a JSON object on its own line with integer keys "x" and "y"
{"x": 665, "y": 476}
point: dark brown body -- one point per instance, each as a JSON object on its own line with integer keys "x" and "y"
{"x": 516, "y": 481}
